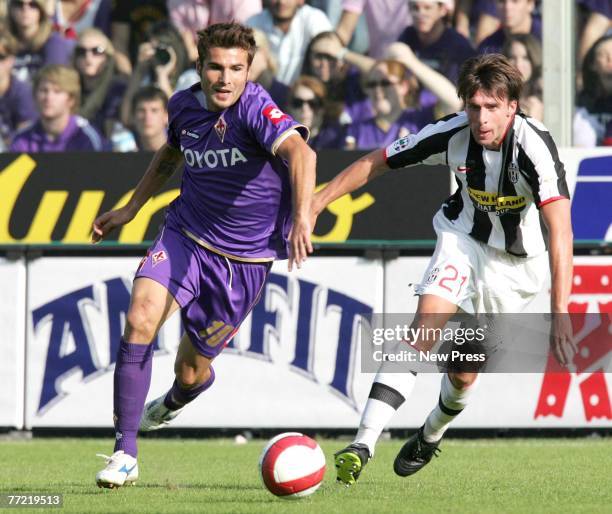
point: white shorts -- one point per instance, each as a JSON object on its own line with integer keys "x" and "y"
{"x": 480, "y": 279}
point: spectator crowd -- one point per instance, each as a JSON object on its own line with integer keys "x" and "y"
{"x": 96, "y": 75}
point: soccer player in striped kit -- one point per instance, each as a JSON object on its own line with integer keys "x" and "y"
{"x": 490, "y": 255}
{"x": 248, "y": 179}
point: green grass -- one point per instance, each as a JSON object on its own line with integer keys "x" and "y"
{"x": 217, "y": 476}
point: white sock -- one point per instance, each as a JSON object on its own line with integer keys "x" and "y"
{"x": 388, "y": 392}
{"x": 452, "y": 402}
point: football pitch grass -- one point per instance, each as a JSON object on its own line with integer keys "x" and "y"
{"x": 218, "y": 476}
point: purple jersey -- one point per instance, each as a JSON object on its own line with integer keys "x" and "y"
{"x": 235, "y": 194}
{"x": 16, "y": 107}
{"x": 368, "y": 135}
{"x": 495, "y": 42}
{"x": 56, "y": 50}
{"x": 446, "y": 55}
{"x": 603, "y": 7}
{"x": 78, "y": 136}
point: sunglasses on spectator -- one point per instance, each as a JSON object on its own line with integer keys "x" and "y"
{"x": 82, "y": 51}
{"x": 313, "y": 103}
{"x": 320, "y": 56}
{"x": 22, "y": 4}
{"x": 384, "y": 83}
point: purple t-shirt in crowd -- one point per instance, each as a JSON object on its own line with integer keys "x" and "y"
{"x": 235, "y": 192}
{"x": 356, "y": 103}
{"x": 329, "y": 137}
{"x": 446, "y": 55}
{"x": 600, "y": 6}
{"x": 78, "y": 136}
{"x": 16, "y": 107}
{"x": 368, "y": 135}
{"x": 56, "y": 50}
{"x": 495, "y": 42}
{"x": 110, "y": 109}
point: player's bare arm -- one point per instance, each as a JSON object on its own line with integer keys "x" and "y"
{"x": 556, "y": 216}
{"x": 348, "y": 180}
{"x": 165, "y": 162}
{"x": 301, "y": 161}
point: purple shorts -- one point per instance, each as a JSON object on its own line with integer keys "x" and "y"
{"x": 215, "y": 293}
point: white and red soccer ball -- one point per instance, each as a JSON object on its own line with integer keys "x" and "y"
{"x": 292, "y": 465}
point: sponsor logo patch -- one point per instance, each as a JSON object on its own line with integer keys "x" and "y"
{"x": 491, "y": 202}
{"x": 191, "y": 134}
{"x": 274, "y": 114}
{"x": 433, "y": 275}
{"x": 398, "y": 146}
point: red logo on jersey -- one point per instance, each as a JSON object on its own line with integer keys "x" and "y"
{"x": 590, "y": 360}
{"x": 274, "y": 114}
{"x": 220, "y": 128}
{"x": 158, "y": 257}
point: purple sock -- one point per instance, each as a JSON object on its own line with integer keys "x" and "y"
{"x": 132, "y": 381}
{"x": 178, "y": 397}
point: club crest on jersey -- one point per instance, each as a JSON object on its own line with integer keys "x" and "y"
{"x": 221, "y": 128}
{"x": 513, "y": 172}
{"x": 158, "y": 257}
{"x": 274, "y": 114}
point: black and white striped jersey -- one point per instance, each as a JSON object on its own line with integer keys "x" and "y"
{"x": 499, "y": 192}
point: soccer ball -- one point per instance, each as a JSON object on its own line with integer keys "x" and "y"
{"x": 292, "y": 465}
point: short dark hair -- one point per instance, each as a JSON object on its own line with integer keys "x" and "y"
{"x": 226, "y": 35}
{"x": 492, "y": 73}
{"x": 149, "y": 94}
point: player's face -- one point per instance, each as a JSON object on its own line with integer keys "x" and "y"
{"x": 150, "y": 117}
{"x": 426, "y": 14}
{"x": 224, "y": 75}
{"x": 385, "y": 91}
{"x": 90, "y": 55}
{"x": 514, "y": 13}
{"x": 52, "y": 101}
{"x": 284, "y": 10}
{"x": 489, "y": 118}
{"x": 520, "y": 58}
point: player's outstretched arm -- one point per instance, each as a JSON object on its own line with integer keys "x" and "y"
{"x": 165, "y": 162}
{"x": 556, "y": 216}
{"x": 348, "y": 180}
{"x": 302, "y": 162}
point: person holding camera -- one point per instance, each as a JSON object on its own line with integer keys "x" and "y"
{"x": 161, "y": 60}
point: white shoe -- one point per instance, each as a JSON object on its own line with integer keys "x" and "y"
{"x": 121, "y": 469}
{"x": 156, "y": 415}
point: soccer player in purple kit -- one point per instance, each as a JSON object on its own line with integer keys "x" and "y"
{"x": 246, "y": 190}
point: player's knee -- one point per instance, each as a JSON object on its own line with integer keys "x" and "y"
{"x": 462, "y": 380}
{"x": 142, "y": 321}
{"x": 188, "y": 378}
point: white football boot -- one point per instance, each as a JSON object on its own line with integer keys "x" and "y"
{"x": 121, "y": 469}
{"x": 156, "y": 415}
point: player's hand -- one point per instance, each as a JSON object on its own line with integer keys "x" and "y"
{"x": 108, "y": 221}
{"x": 562, "y": 338}
{"x": 299, "y": 242}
